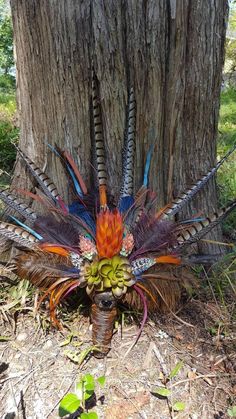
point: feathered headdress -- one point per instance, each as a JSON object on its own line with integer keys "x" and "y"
{"x": 94, "y": 243}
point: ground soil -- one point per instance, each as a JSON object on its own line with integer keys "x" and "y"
{"x": 35, "y": 372}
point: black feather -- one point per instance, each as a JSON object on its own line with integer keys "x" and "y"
{"x": 152, "y": 236}
{"x": 54, "y": 230}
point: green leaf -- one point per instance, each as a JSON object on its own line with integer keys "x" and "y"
{"x": 90, "y": 415}
{"x": 212, "y": 331}
{"x": 86, "y": 352}
{"x": 5, "y": 338}
{"x": 162, "y": 391}
{"x": 101, "y": 380}
{"x": 69, "y": 404}
{"x": 72, "y": 355}
{"x": 66, "y": 341}
{"x": 88, "y": 382}
{"x": 88, "y": 394}
{"x": 176, "y": 369}
{"x": 79, "y": 390}
{"x": 85, "y": 387}
{"x": 232, "y": 412}
{"x": 77, "y": 344}
{"x": 178, "y": 406}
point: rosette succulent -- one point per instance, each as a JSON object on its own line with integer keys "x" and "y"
{"x": 117, "y": 274}
{"x": 114, "y": 273}
{"x": 90, "y": 274}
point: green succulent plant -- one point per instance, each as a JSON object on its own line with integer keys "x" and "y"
{"x": 114, "y": 273}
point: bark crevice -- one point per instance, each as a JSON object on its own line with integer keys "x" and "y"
{"x": 167, "y": 50}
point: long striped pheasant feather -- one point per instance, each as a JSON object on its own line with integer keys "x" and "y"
{"x": 186, "y": 196}
{"x": 99, "y": 143}
{"x": 112, "y": 249}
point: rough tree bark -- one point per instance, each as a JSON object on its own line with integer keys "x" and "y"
{"x": 172, "y": 53}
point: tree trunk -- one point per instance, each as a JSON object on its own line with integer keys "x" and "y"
{"x": 171, "y": 52}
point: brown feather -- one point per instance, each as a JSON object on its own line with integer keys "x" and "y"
{"x": 56, "y": 295}
{"x": 42, "y": 268}
{"x": 163, "y": 290}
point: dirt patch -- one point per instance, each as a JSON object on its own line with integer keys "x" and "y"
{"x": 36, "y": 374}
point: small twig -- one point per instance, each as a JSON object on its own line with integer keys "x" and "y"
{"x": 13, "y": 396}
{"x": 160, "y": 359}
{"x": 65, "y": 392}
{"x": 216, "y": 242}
{"x": 230, "y": 283}
{"x": 22, "y": 404}
{"x": 169, "y": 404}
{"x": 187, "y": 380}
{"x": 10, "y": 378}
{"x": 35, "y": 304}
{"x": 27, "y": 374}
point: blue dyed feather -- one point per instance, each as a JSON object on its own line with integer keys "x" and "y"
{"x": 147, "y": 166}
{"x": 73, "y": 270}
{"x": 53, "y": 150}
{"x": 27, "y": 228}
{"x": 75, "y": 181}
{"x": 125, "y": 203}
{"x": 76, "y": 208}
{"x": 193, "y": 220}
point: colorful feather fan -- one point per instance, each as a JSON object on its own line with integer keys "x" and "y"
{"x": 116, "y": 252}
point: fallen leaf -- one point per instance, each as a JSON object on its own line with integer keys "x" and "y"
{"x": 190, "y": 346}
{"x": 161, "y": 376}
{"x": 192, "y": 375}
{"x": 179, "y": 336}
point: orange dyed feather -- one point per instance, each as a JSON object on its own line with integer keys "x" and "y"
{"x": 160, "y": 212}
{"x": 51, "y": 289}
{"x": 109, "y": 233}
{"x": 174, "y": 260}
{"x": 103, "y": 196}
{"x": 52, "y": 308}
{"x": 56, "y": 296}
{"x": 147, "y": 292}
{"x": 54, "y": 249}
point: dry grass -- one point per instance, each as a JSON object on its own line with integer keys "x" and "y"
{"x": 38, "y": 373}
